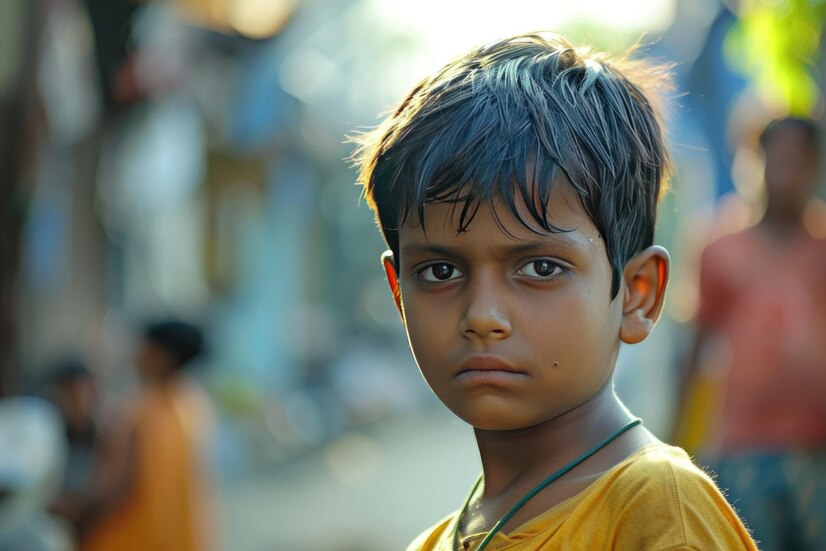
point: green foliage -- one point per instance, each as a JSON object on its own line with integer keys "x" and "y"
{"x": 775, "y": 44}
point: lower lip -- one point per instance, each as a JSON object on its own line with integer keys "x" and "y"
{"x": 494, "y": 377}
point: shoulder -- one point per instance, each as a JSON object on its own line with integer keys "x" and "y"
{"x": 661, "y": 460}
{"x": 726, "y": 242}
{"x": 435, "y": 538}
{"x": 733, "y": 245}
{"x": 662, "y": 494}
{"x": 816, "y": 247}
{"x": 659, "y": 474}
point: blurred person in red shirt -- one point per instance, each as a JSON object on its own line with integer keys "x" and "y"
{"x": 763, "y": 295}
{"x": 165, "y": 499}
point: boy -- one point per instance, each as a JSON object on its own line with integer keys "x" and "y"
{"x": 763, "y": 292}
{"x": 517, "y": 192}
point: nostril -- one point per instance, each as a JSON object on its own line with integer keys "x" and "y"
{"x": 486, "y": 327}
{"x": 484, "y": 319}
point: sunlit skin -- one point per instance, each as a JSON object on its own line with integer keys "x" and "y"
{"x": 517, "y": 333}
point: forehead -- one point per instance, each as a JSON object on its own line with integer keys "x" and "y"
{"x": 495, "y": 223}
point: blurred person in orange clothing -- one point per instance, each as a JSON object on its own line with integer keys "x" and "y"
{"x": 165, "y": 502}
{"x": 763, "y": 293}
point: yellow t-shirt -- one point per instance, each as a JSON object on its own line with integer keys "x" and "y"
{"x": 656, "y": 499}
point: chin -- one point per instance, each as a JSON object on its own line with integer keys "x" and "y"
{"x": 494, "y": 419}
{"x": 500, "y": 426}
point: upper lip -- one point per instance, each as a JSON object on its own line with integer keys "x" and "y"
{"x": 486, "y": 363}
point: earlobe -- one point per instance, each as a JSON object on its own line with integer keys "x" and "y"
{"x": 645, "y": 277}
{"x": 389, "y": 264}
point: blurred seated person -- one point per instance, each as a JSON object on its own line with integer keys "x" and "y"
{"x": 32, "y": 456}
{"x": 98, "y": 448}
{"x": 763, "y": 295}
{"x": 166, "y": 503}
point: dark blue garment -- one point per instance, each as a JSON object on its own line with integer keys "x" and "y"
{"x": 781, "y": 497}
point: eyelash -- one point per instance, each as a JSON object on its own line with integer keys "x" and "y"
{"x": 557, "y": 270}
{"x": 418, "y": 273}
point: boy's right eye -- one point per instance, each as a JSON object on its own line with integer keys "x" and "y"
{"x": 438, "y": 272}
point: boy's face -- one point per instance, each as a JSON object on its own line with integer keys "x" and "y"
{"x": 510, "y": 330}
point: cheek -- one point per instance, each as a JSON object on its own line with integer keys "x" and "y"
{"x": 429, "y": 324}
{"x": 577, "y": 330}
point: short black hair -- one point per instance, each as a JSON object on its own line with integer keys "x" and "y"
{"x": 181, "y": 340}
{"x": 807, "y": 126}
{"x": 501, "y": 120}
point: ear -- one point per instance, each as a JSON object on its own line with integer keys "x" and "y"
{"x": 645, "y": 277}
{"x": 389, "y": 264}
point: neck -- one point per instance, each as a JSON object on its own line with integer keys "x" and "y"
{"x": 782, "y": 224}
{"x": 512, "y": 457}
{"x": 164, "y": 380}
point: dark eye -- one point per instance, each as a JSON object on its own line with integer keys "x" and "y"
{"x": 441, "y": 271}
{"x": 541, "y": 269}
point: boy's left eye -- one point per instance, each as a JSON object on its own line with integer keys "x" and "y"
{"x": 540, "y": 269}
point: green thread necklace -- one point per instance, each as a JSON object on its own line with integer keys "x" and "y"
{"x": 538, "y": 488}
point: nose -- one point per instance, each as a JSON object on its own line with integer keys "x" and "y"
{"x": 485, "y": 314}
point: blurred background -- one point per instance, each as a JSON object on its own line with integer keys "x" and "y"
{"x": 186, "y": 159}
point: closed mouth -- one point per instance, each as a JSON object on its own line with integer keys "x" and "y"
{"x": 487, "y": 367}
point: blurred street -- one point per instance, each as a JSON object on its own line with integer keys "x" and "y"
{"x": 178, "y": 200}
{"x": 372, "y": 489}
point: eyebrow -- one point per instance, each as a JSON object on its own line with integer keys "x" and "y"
{"x": 571, "y": 241}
